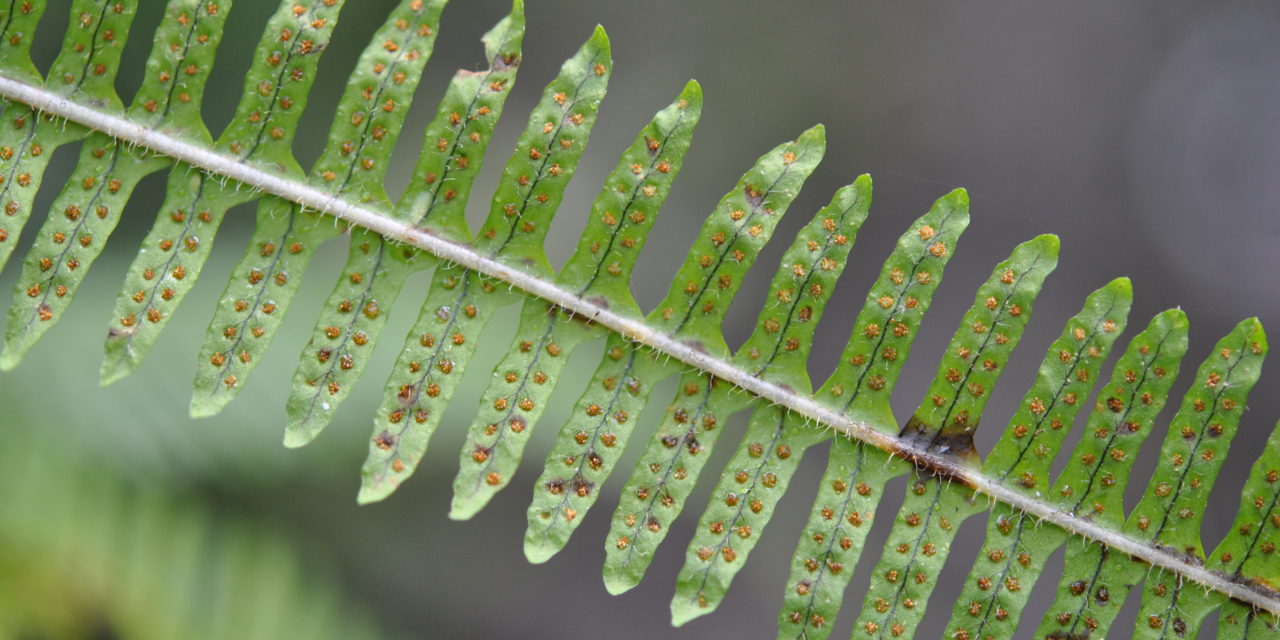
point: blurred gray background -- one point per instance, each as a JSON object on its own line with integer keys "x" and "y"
{"x": 1146, "y": 134}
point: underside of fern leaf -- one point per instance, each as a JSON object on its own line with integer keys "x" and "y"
{"x": 1156, "y": 548}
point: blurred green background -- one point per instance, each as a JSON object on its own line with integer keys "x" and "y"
{"x": 1145, "y": 133}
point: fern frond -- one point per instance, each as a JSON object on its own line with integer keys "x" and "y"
{"x": 261, "y": 133}
{"x": 770, "y": 452}
{"x": 1016, "y": 549}
{"x": 676, "y": 453}
{"x": 436, "y": 199}
{"x": 353, "y": 164}
{"x": 621, "y": 217}
{"x": 1168, "y": 517}
{"x": 532, "y": 184}
{"x": 1158, "y": 545}
{"x": 108, "y": 172}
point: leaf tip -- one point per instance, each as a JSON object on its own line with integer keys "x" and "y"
{"x": 1252, "y": 327}
{"x": 954, "y": 206}
{"x": 815, "y": 134}
{"x": 692, "y": 92}
{"x": 1047, "y": 243}
{"x": 600, "y": 40}
{"x": 538, "y": 553}
{"x": 617, "y": 583}
{"x": 682, "y": 612}
{"x": 370, "y": 493}
{"x": 204, "y": 405}
{"x": 464, "y": 509}
{"x": 113, "y": 372}
{"x": 9, "y": 360}
{"x": 296, "y": 437}
{"x": 1121, "y": 287}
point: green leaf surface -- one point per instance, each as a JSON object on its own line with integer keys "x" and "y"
{"x": 842, "y": 515}
{"x": 681, "y": 337}
{"x": 627, "y": 207}
{"x": 665, "y": 474}
{"x": 517, "y": 395}
{"x": 85, "y": 70}
{"x": 1015, "y": 548}
{"x": 454, "y": 144}
{"x": 1248, "y": 553}
{"x": 258, "y": 294}
{"x": 94, "y": 197}
{"x": 532, "y": 186}
{"x": 600, "y": 269}
{"x": 730, "y": 240}
{"x": 770, "y": 453}
{"x": 675, "y": 455}
{"x": 18, "y": 22}
{"x": 975, "y": 358}
{"x": 1239, "y": 621}
{"x": 434, "y": 358}
{"x": 545, "y": 159}
{"x": 1026, "y": 450}
{"x": 934, "y": 507}
{"x": 589, "y": 445}
{"x": 1123, "y": 415}
{"x": 342, "y": 343}
{"x": 1122, "y": 418}
{"x": 368, "y": 122}
{"x": 70, "y": 240}
{"x": 890, "y": 318}
{"x": 742, "y": 503}
{"x": 1172, "y": 510}
{"x": 860, "y": 387}
{"x": 261, "y": 134}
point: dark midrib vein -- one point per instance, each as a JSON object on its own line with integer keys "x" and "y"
{"x": 511, "y": 410}
{"x": 93, "y": 48}
{"x": 294, "y": 210}
{"x": 986, "y": 340}
{"x": 631, "y": 201}
{"x": 1205, "y": 423}
{"x": 730, "y": 243}
{"x": 261, "y": 292}
{"x": 186, "y": 48}
{"x": 428, "y": 367}
{"x": 546, "y": 158}
{"x": 1090, "y": 590}
{"x": 333, "y": 363}
{"x": 660, "y": 486}
{"x": 1119, "y": 424}
{"x": 729, "y": 529}
{"x": 915, "y": 552}
{"x": 993, "y": 601}
{"x": 277, "y": 87}
{"x": 1057, "y": 395}
{"x": 799, "y": 296}
{"x": 632, "y": 354}
{"x": 456, "y": 144}
{"x": 816, "y": 583}
{"x": 160, "y": 275}
{"x": 84, "y": 219}
{"x": 899, "y": 307}
{"x": 1253, "y": 542}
